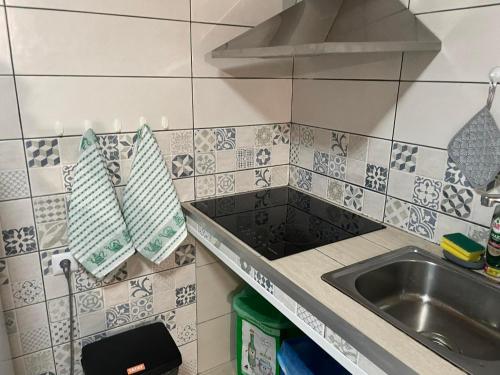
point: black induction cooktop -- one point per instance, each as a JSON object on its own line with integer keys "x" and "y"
{"x": 282, "y": 221}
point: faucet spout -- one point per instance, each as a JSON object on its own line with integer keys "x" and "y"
{"x": 489, "y": 200}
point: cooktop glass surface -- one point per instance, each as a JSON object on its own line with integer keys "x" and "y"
{"x": 282, "y": 221}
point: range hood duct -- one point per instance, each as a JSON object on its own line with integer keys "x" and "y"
{"x": 318, "y": 27}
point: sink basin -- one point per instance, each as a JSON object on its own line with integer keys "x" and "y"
{"x": 452, "y": 311}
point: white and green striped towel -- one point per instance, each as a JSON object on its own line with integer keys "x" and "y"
{"x": 98, "y": 236}
{"x": 151, "y": 208}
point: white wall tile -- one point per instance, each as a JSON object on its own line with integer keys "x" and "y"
{"x": 214, "y": 353}
{"x": 431, "y": 113}
{"x": 208, "y": 37}
{"x": 71, "y": 100}
{"x": 353, "y": 106}
{"x": 9, "y": 120}
{"x": 172, "y": 9}
{"x": 224, "y": 102}
{"x": 418, "y": 6}
{"x": 53, "y": 42}
{"x": 349, "y": 66}
{"x": 467, "y": 54}
{"x": 237, "y": 12}
{"x": 5, "y": 65}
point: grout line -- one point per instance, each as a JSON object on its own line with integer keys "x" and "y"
{"x": 29, "y": 186}
{"x": 393, "y": 131}
{"x": 122, "y": 15}
{"x": 342, "y": 131}
{"x": 457, "y": 9}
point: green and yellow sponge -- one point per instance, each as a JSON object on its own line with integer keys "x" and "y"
{"x": 462, "y": 247}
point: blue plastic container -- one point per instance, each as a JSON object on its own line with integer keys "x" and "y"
{"x": 303, "y": 356}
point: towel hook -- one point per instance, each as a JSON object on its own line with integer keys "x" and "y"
{"x": 494, "y": 80}
{"x": 118, "y": 126}
{"x": 142, "y": 121}
{"x": 59, "y": 128}
{"x": 164, "y": 122}
{"x": 87, "y": 125}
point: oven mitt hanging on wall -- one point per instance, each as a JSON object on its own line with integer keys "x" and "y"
{"x": 98, "y": 236}
{"x": 151, "y": 208}
{"x": 476, "y": 149}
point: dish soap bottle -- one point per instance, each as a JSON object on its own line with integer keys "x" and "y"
{"x": 492, "y": 267}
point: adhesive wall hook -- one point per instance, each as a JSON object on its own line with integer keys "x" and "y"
{"x": 59, "y": 128}
{"x": 87, "y": 125}
{"x": 495, "y": 75}
{"x": 118, "y": 126}
{"x": 142, "y": 121}
{"x": 164, "y": 122}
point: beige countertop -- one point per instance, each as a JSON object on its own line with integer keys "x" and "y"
{"x": 305, "y": 269}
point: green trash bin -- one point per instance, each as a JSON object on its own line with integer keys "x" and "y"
{"x": 260, "y": 330}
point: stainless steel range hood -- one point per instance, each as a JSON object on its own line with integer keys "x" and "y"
{"x": 316, "y": 27}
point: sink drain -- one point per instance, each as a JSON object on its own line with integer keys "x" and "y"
{"x": 440, "y": 340}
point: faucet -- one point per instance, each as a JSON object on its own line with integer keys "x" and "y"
{"x": 488, "y": 200}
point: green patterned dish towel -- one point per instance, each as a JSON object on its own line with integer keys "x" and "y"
{"x": 98, "y": 236}
{"x": 151, "y": 208}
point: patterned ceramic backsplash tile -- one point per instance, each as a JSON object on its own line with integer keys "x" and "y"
{"x": 415, "y": 188}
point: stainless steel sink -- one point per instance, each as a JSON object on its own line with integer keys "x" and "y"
{"x": 452, "y": 311}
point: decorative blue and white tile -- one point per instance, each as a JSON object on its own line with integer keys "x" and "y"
{"x": 340, "y": 144}
{"x": 68, "y": 172}
{"x": 310, "y": 320}
{"x": 427, "y": 192}
{"x": 181, "y": 142}
{"x": 141, "y": 287}
{"x": 114, "y": 172}
{"x": 225, "y": 183}
{"x": 62, "y": 358}
{"x": 404, "y": 157}
{"x": 397, "y": 213}
{"x": 53, "y": 234}
{"x": 10, "y": 322}
{"x": 225, "y": 138}
{"x": 263, "y": 178}
{"x": 304, "y": 180}
{"x": 337, "y": 167}
{"x": 205, "y": 163}
{"x": 35, "y": 339}
{"x": 19, "y": 241}
{"x": 244, "y": 158}
{"x": 40, "y": 363}
{"x": 341, "y": 345}
{"x": 353, "y": 197}
{"x": 42, "y": 152}
{"x": 141, "y": 308}
{"x": 14, "y": 184}
{"x": 376, "y": 178}
{"x": 205, "y": 186}
{"x": 262, "y": 157}
{"x": 306, "y": 136}
{"x": 454, "y": 175}
{"x": 90, "y": 339}
{"x": 167, "y": 318}
{"x": 27, "y": 292}
{"x": 182, "y": 166}
{"x": 186, "y": 333}
{"x": 60, "y": 331}
{"x": 247, "y": 267}
{"x": 204, "y": 140}
{"x": 295, "y": 134}
{"x": 263, "y": 281}
{"x": 126, "y": 145}
{"x": 185, "y": 254}
{"x": 83, "y": 280}
{"x": 294, "y": 154}
{"x": 335, "y": 191}
{"x": 422, "y": 221}
{"x": 264, "y": 136}
{"x": 109, "y": 146}
{"x": 118, "y": 315}
{"x": 457, "y": 201}
{"x": 58, "y": 309}
{"x": 46, "y": 259}
{"x": 281, "y": 134}
{"x": 51, "y": 208}
{"x": 320, "y": 163}
{"x": 90, "y": 301}
{"x": 185, "y": 295}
